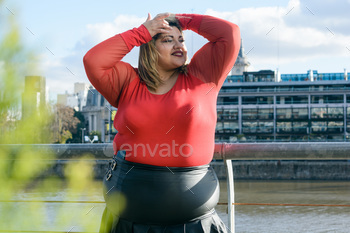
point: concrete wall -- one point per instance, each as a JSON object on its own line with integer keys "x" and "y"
{"x": 249, "y": 170}
{"x": 287, "y": 170}
{"x": 337, "y": 167}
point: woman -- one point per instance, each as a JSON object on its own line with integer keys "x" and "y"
{"x": 160, "y": 179}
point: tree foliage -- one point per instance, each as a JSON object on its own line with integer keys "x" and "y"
{"x": 65, "y": 123}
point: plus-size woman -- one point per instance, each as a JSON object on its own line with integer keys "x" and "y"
{"x": 166, "y": 123}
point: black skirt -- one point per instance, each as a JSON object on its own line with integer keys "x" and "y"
{"x": 142, "y": 198}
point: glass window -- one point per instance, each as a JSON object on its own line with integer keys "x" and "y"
{"x": 336, "y": 113}
{"x": 265, "y": 113}
{"x": 335, "y": 126}
{"x": 300, "y": 113}
{"x": 230, "y": 114}
{"x": 284, "y": 127}
{"x": 292, "y": 99}
{"x": 327, "y": 99}
{"x": 348, "y": 112}
{"x": 300, "y": 127}
{"x": 300, "y": 99}
{"x": 265, "y": 127}
{"x": 232, "y": 100}
{"x": 230, "y": 127}
{"x": 249, "y": 127}
{"x": 284, "y": 100}
{"x": 219, "y": 112}
{"x": 265, "y": 100}
{"x": 348, "y": 99}
{"x": 254, "y": 100}
{"x": 317, "y": 99}
{"x": 348, "y": 126}
{"x": 318, "y": 113}
{"x": 335, "y": 99}
{"x": 284, "y": 113}
{"x": 319, "y": 126}
{"x": 219, "y": 127}
{"x": 247, "y": 100}
{"x": 250, "y": 114}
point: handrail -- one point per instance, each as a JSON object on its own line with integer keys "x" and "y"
{"x": 234, "y": 151}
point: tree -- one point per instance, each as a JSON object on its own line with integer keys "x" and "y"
{"x": 76, "y": 137}
{"x": 65, "y": 123}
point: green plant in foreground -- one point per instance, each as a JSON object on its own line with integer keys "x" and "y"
{"x": 25, "y": 180}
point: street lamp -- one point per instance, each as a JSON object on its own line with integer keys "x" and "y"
{"x": 82, "y": 134}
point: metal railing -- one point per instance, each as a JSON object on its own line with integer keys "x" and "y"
{"x": 274, "y": 151}
{"x": 225, "y": 151}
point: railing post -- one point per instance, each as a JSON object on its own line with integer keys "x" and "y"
{"x": 230, "y": 196}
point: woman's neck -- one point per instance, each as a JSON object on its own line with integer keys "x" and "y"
{"x": 168, "y": 82}
{"x": 165, "y": 76}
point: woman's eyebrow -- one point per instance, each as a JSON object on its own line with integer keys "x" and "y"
{"x": 180, "y": 37}
{"x": 167, "y": 36}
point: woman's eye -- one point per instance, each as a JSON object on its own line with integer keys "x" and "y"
{"x": 165, "y": 41}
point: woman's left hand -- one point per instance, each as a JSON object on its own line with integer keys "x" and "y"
{"x": 157, "y": 24}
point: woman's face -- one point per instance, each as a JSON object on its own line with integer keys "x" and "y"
{"x": 172, "y": 50}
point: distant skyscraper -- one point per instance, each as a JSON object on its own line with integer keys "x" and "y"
{"x": 34, "y": 95}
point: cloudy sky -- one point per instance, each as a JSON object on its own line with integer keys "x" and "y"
{"x": 290, "y": 35}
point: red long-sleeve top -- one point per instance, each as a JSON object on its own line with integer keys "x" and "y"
{"x": 175, "y": 129}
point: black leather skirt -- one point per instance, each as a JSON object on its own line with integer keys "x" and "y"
{"x": 142, "y": 198}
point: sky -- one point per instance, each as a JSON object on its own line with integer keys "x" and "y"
{"x": 292, "y": 36}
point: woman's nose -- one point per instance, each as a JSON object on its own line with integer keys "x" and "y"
{"x": 178, "y": 44}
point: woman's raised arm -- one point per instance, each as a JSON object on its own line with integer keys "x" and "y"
{"x": 214, "y": 60}
{"x": 103, "y": 65}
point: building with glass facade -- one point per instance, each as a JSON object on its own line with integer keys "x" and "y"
{"x": 302, "y": 110}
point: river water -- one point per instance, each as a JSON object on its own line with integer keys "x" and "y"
{"x": 65, "y": 217}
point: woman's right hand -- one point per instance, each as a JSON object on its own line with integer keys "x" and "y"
{"x": 157, "y": 24}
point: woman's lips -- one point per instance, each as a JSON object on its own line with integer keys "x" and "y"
{"x": 178, "y": 54}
